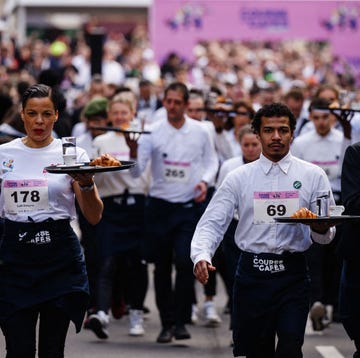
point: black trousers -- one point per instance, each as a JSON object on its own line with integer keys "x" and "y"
{"x": 20, "y": 332}
{"x": 170, "y": 227}
{"x": 271, "y": 298}
{"x": 131, "y": 279}
{"x": 349, "y": 298}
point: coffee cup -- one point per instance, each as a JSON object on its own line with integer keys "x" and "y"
{"x": 336, "y": 210}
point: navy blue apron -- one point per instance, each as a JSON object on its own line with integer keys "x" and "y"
{"x": 42, "y": 262}
{"x": 122, "y": 225}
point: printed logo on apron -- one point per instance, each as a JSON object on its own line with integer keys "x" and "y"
{"x": 40, "y": 238}
{"x": 268, "y": 265}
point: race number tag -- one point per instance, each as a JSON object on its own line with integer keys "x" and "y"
{"x": 331, "y": 168}
{"x": 270, "y": 204}
{"x": 178, "y": 172}
{"x": 21, "y": 196}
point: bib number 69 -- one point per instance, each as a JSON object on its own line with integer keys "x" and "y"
{"x": 276, "y": 210}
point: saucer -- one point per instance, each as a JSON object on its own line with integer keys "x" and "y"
{"x": 76, "y": 165}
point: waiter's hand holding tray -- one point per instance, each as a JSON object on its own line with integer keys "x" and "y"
{"x": 334, "y": 220}
{"x": 305, "y": 216}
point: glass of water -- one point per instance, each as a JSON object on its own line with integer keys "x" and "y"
{"x": 322, "y": 203}
{"x": 69, "y": 150}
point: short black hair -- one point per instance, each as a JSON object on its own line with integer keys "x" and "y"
{"x": 178, "y": 86}
{"x": 144, "y": 83}
{"x": 273, "y": 110}
{"x": 40, "y": 91}
{"x": 319, "y": 103}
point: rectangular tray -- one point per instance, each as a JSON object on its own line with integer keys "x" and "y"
{"x": 119, "y": 130}
{"x": 86, "y": 168}
{"x": 335, "y": 220}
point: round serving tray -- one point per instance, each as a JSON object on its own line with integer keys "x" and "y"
{"x": 86, "y": 168}
{"x": 334, "y": 220}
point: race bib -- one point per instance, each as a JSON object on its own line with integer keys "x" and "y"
{"x": 270, "y": 204}
{"x": 21, "y": 196}
{"x": 178, "y": 172}
{"x": 331, "y": 168}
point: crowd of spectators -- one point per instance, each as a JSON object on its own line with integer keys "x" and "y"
{"x": 258, "y": 72}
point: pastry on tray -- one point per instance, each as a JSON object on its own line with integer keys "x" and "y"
{"x": 304, "y": 213}
{"x": 105, "y": 160}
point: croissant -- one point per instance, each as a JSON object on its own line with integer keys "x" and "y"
{"x": 304, "y": 213}
{"x": 105, "y": 160}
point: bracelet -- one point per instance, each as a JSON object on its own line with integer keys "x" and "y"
{"x": 86, "y": 188}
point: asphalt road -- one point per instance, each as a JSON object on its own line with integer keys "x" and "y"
{"x": 205, "y": 342}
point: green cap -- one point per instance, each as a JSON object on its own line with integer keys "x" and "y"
{"x": 96, "y": 106}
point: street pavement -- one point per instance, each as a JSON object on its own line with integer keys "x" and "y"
{"x": 205, "y": 342}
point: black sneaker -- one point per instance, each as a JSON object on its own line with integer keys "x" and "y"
{"x": 181, "y": 333}
{"x": 87, "y": 319}
{"x": 98, "y": 326}
{"x": 165, "y": 335}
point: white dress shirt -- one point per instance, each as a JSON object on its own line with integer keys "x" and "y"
{"x": 180, "y": 159}
{"x": 260, "y": 191}
{"x": 323, "y": 151}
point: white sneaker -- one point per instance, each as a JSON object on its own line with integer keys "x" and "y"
{"x": 136, "y": 322}
{"x": 328, "y": 318}
{"x": 317, "y": 314}
{"x": 211, "y": 316}
{"x": 98, "y": 323}
{"x": 194, "y": 314}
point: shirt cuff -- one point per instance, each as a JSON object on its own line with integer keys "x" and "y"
{"x": 324, "y": 238}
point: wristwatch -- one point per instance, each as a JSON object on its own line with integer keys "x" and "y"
{"x": 87, "y": 187}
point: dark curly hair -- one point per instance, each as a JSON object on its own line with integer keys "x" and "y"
{"x": 273, "y": 110}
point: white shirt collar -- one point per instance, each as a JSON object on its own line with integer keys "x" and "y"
{"x": 283, "y": 164}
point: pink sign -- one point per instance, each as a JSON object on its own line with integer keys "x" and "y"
{"x": 176, "y": 26}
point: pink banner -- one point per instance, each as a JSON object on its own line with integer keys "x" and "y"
{"x": 178, "y": 25}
